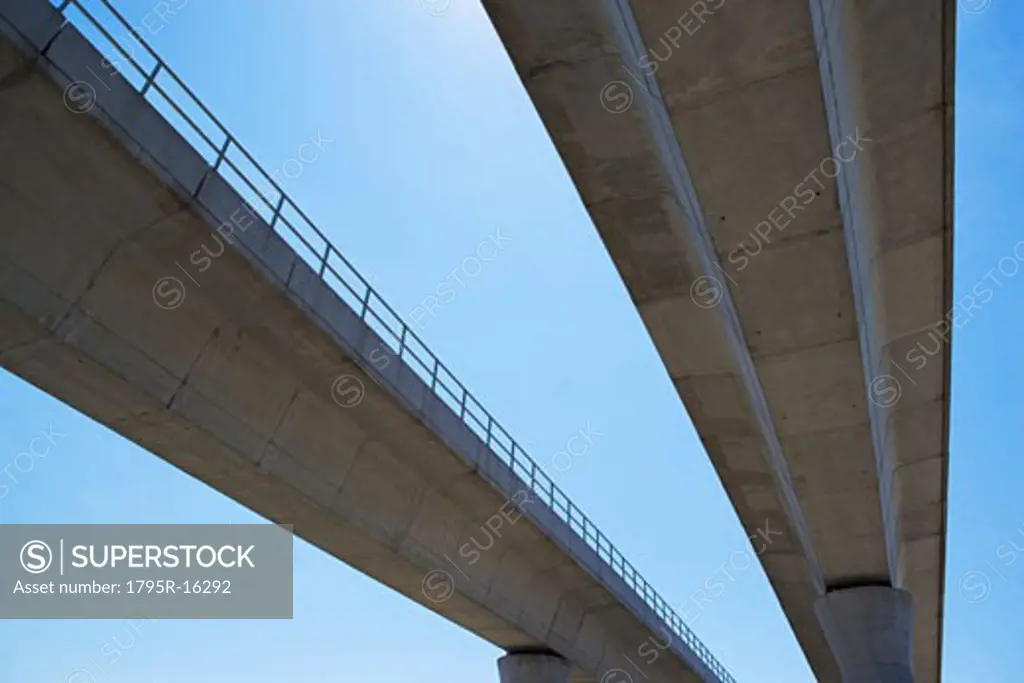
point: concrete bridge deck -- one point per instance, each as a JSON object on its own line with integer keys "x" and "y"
{"x": 253, "y": 374}
{"x": 774, "y": 183}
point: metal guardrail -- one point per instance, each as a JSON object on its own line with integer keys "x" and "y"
{"x": 359, "y": 294}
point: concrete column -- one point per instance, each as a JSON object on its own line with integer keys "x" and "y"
{"x": 868, "y": 629}
{"x": 533, "y": 667}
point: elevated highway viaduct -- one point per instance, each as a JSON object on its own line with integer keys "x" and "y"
{"x": 226, "y": 335}
{"x": 774, "y": 183}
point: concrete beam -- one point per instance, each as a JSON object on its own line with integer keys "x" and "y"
{"x": 773, "y": 182}
{"x": 868, "y": 629}
{"x": 235, "y": 379}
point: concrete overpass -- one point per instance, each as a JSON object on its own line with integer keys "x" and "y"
{"x": 140, "y": 287}
{"x": 774, "y": 184}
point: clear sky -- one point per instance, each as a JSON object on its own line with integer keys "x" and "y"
{"x": 433, "y": 147}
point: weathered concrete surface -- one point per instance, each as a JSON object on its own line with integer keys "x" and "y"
{"x": 691, "y": 131}
{"x": 234, "y": 385}
{"x": 869, "y": 630}
{"x": 533, "y": 667}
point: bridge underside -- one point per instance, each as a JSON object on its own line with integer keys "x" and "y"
{"x": 773, "y": 182}
{"x": 235, "y": 385}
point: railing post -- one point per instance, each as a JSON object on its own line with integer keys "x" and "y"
{"x": 323, "y": 269}
{"x": 222, "y": 153}
{"x": 151, "y": 77}
{"x": 277, "y": 212}
{"x": 366, "y": 302}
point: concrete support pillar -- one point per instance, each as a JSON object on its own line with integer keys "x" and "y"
{"x": 868, "y": 629}
{"x": 533, "y": 667}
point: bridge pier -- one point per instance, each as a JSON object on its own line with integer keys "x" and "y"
{"x": 868, "y": 629}
{"x": 533, "y": 666}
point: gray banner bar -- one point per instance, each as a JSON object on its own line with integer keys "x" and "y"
{"x": 152, "y": 571}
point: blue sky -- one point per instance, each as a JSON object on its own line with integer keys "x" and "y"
{"x": 433, "y": 147}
